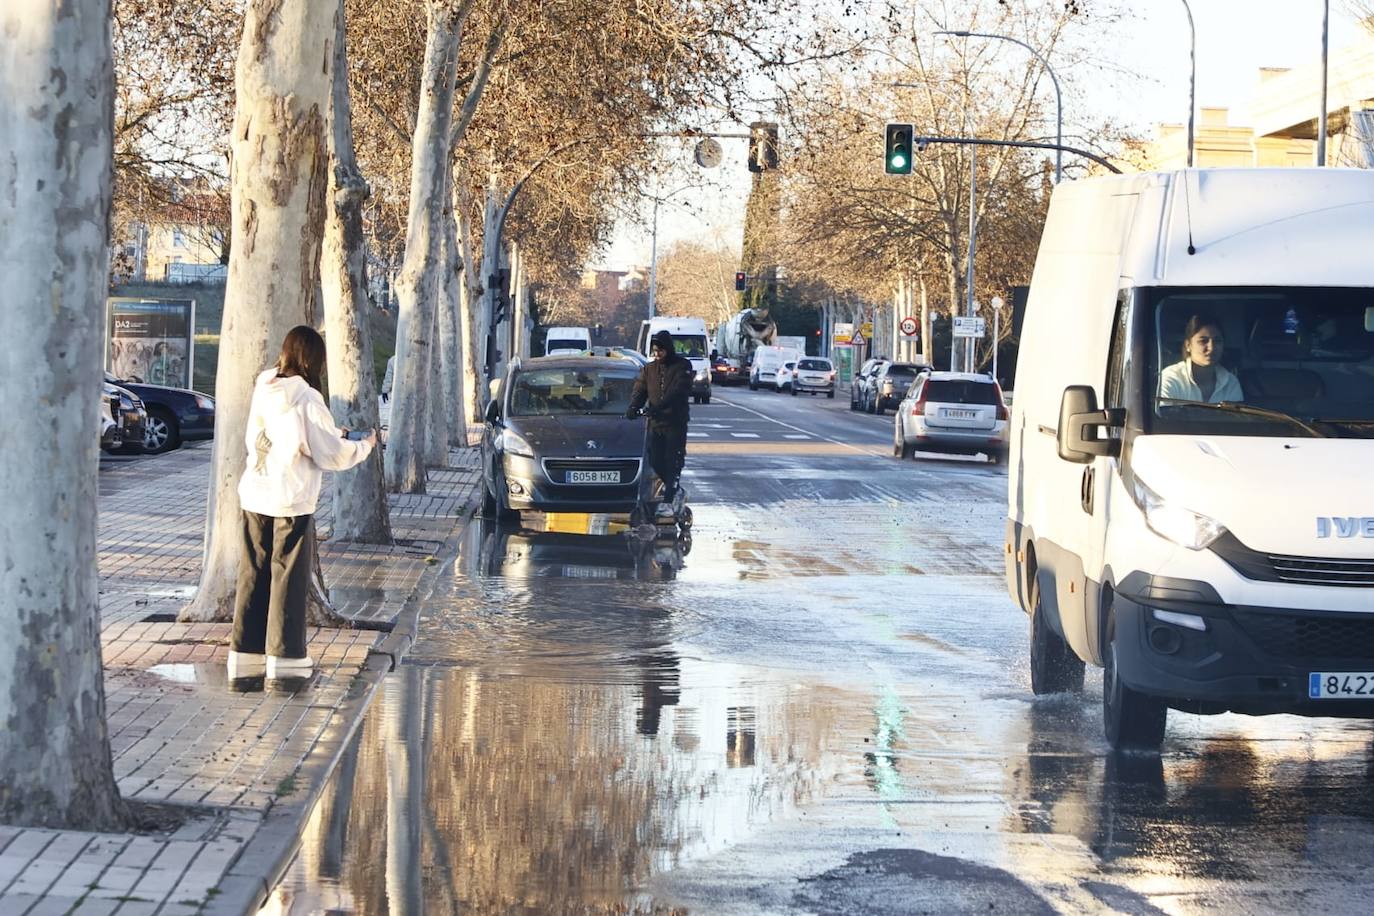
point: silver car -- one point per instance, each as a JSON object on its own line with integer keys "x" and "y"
{"x": 814, "y": 374}
{"x": 958, "y": 412}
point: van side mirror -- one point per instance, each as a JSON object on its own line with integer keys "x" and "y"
{"x": 494, "y": 412}
{"x": 1079, "y": 420}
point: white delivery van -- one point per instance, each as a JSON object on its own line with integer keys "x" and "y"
{"x": 767, "y": 362}
{"x": 1190, "y": 504}
{"x": 689, "y": 339}
{"x": 561, "y": 341}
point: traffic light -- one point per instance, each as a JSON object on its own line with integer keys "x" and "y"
{"x": 901, "y": 149}
{"x": 763, "y": 146}
{"x": 740, "y": 279}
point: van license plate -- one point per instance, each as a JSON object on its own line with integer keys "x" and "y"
{"x": 593, "y": 477}
{"x": 1340, "y": 685}
{"x": 959, "y": 414}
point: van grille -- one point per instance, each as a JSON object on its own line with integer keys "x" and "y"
{"x": 1350, "y": 572}
{"x": 558, "y": 468}
{"x": 1308, "y": 636}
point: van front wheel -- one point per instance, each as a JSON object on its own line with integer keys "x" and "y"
{"x": 1131, "y": 720}
{"x": 1054, "y": 666}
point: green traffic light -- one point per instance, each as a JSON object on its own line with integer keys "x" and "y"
{"x": 898, "y": 161}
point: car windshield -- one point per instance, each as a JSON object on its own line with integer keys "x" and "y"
{"x": 692, "y": 347}
{"x": 546, "y": 392}
{"x": 1266, "y": 361}
{"x": 960, "y": 391}
{"x": 815, "y": 365}
{"x": 570, "y": 343}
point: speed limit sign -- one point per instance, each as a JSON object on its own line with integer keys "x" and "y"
{"x": 909, "y": 327}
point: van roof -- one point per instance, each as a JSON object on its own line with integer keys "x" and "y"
{"x": 1247, "y": 227}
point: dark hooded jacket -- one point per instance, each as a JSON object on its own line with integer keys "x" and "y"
{"x": 664, "y": 389}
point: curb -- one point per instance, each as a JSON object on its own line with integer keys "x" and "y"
{"x": 265, "y": 859}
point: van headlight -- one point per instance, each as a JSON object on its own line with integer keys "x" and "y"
{"x": 512, "y": 443}
{"x": 1173, "y": 522}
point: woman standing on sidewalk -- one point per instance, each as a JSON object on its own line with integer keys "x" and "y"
{"x": 291, "y": 438}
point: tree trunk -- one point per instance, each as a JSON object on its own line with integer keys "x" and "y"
{"x": 360, "y": 507}
{"x": 55, "y": 178}
{"x": 277, "y": 202}
{"x": 927, "y": 344}
{"x": 436, "y": 428}
{"x": 473, "y": 326}
{"x": 490, "y": 273}
{"x": 405, "y": 452}
{"x": 451, "y": 330}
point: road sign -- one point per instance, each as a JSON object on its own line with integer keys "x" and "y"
{"x": 858, "y": 340}
{"x": 844, "y": 331}
{"x": 867, "y": 330}
{"x": 708, "y": 153}
{"x": 969, "y": 327}
{"x": 909, "y": 327}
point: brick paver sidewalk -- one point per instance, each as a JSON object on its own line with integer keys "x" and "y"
{"x": 249, "y": 763}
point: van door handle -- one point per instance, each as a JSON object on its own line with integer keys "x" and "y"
{"x": 1086, "y": 488}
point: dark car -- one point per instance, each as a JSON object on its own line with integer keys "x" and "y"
{"x": 556, "y": 439}
{"x": 174, "y": 414}
{"x": 858, "y": 389}
{"x": 724, "y": 372}
{"x": 128, "y": 416}
{"x": 887, "y": 386}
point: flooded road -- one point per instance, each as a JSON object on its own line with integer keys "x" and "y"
{"x": 819, "y": 703}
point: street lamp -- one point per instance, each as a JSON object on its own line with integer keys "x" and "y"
{"x": 1321, "y": 115}
{"x": 1192, "y": 78}
{"x": 653, "y": 247}
{"x": 1058, "y": 96}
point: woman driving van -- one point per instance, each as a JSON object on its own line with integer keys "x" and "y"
{"x": 1200, "y": 376}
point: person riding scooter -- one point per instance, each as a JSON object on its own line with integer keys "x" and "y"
{"x": 661, "y": 393}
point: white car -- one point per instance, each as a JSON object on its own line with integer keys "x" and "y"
{"x": 786, "y": 372}
{"x": 814, "y": 374}
{"x": 960, "y": 412}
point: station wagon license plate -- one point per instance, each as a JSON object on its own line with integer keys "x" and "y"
{"x": 592, "y": 477}
{"x": 958, "y": 414}
{"x": 1340, "y": 685}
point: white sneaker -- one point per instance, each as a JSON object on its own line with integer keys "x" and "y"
{"x": 279, "y": 666}
{"x": 664, "y": 510}
{"x": 246, "y": 664}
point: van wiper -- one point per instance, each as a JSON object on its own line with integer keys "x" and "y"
{"x": 1351, "y": 423}
{"x": 1251, "y": 410}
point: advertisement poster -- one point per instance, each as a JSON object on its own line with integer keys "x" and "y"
{"x": 151, "y": 340}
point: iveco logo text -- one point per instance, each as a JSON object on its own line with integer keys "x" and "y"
{"x": 1348, "y": 526}
{"x": 593, "y": 444}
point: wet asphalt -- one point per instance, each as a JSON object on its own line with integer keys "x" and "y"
{"x": 818, "y": 703}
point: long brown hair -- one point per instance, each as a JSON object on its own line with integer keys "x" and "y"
{"x": 302, "y": 354}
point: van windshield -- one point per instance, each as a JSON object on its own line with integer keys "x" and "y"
{"x": 690, "y": 346}
{"x": 568, "y": 343}
{"x": 1261, "y": 361}
{"x": 544, "y": 392}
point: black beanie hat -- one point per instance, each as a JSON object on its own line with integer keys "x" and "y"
{"x": 663, "y": 339}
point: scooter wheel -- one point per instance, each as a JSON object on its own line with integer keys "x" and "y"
{"x": 684, "y": 520}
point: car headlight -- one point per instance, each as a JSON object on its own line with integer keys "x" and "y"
{"x": 205, "y": 403}
{"x": 512, "y": 443}
{"x": 701, "y": 375}
{"x": 1173, "y": 522}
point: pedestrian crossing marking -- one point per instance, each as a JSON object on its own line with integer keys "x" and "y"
{"x": 696, "y": 435}
{"x": 745, "y": 435}
{"x": 795, "y": 436}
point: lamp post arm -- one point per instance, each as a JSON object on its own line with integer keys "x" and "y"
{"x": 1192, "y": 78}
{"x": 976, "y": 141}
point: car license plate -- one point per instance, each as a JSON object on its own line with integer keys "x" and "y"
{"x": 593, "y": 477}
{"x": 1340, "y": 685}
{"x": 589, "y": 572}
{"x": 958, "y": 414}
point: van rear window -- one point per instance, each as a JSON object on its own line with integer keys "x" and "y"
{"x": 568, "y": 344}
{"x": 961, "y": 391}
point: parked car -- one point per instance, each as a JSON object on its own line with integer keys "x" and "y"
{"x": 128, "y": 414}
{"x": 111, "y": 430}
{"x": 858, "y": 388}
{"x": 814, "y": 374}
{"x": 556, "y": 439}
{"x": 957, "y": 412}
{"x": 174, "y": 415}
{"x": 786, "y": 372}
{"x": 887, "y": 386}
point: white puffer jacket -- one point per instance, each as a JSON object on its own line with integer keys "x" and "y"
{"x": 291, "y": 438}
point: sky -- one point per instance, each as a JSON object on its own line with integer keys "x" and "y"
{"x": 1234, "y": 39}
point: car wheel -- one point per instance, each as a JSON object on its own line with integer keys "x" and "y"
{"x": 878, "y": 406}
{"x": 794, "y": 390}
{"x": 900, "y": 447}
{"x": 160, "y": 432}
{"x": 706, "y": 399}
{"x": 1054, "y": 666}
{"x": 488, "y": 502}
{"x": 753, "y": 384}
{"x": 830, "y": 394}
{"x": 868, "y": 405}
{"x": 1132, "y": 721}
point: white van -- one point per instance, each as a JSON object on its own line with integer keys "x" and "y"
{"x": 689, "y": 339}
{"x": 767, "y": 362}
{"x": 1190, "y": 503}
{"x": 561, "y": 341}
